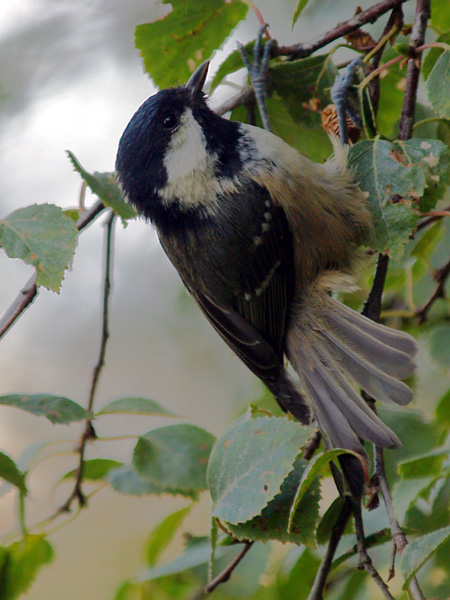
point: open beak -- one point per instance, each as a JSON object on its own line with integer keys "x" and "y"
{"x": 197, "y": 80}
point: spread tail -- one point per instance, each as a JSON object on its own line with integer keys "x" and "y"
{"x": 332, "y": 347}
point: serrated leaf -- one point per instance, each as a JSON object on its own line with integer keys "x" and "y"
{"x": 314, "y": 469}
{"x": 298, "y": 11}
{"x": 135, "y": 405}
{"x": 9, "y": 472}
{"x": 300, "y": 81}
{"x": 427, "y": 465}
{"x": 42, "y": 236}
{"x": 175, "y": 45}
{"x": 125, "y": 480}
{"x": 105, "y": 186}
{"x": 419, "y": 551}
{"x": 23, "y": 561}
{"x": 439, "y": 342}
{"x": 438, "y": 86}
{"x": 56, "y": 408}
{"x": 163, "y": 533}
{"x": 249, "y": 463}
{"x": 406, "y": 171}
{"x": 174, "y": 457}
{"x": 95, "y": 469}
{"x": 273, "y": 521}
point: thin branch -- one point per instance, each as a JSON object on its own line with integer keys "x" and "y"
{"x": 369, "y": 15}
{"x": 441, "y": 276}
{"x": 29, "y": 291}
{"x": 226, "y": 573}
{"x": 245, "y": 96}
{"x": 337, "y": 532}
{"x": 89, "y": 431}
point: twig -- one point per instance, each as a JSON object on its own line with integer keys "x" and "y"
{"x": 226, "y": 573}
{"x": 433, "y": 217}
{"x": 337, "y": 532}
{"x": 29, "y": 291}
{"x": 441, "y": 276}
{"x": 89, "y": 431}
{"x": 369, "y": 15}
{"x": 364, "y": 559}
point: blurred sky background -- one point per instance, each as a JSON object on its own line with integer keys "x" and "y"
{"x": 70, "y": 78}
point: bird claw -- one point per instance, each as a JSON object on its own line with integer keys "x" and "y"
{"x": 340, "y": 95}
{"x": 258, "y": 71}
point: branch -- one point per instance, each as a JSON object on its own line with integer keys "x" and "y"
{"x": 29, "y": 291}
{"x": 369, "y": 15}
{"x": 226, "y": 573}
{"x": 441, "y": 276}
{"x": 89, "y": 431}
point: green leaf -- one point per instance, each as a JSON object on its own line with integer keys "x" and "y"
{"x": 43, "y": 236}
{"x": 195, "y": 556}
{"x": 404, "y": 171}
{"x": 232, "y": 63}
{"x": 272, "y": 524}
{"x": 375, "y": 539}
{"x": 174, "y": 457}
{"x": 433, "y": 54}
{"x": 438, "y": 86}
{"x": 104, "y": 185}
{"x": 23, "y": 561}
{"x": 328, "y": 521}
{"x": 249, "y": 463}
{"x": 419, "y": 551}
{"x": 443, "y": 411}
{"x": 163, "y": 533}
{"x": 429, "y": 464}
{"x": 315, "y": 469}
{"x": 300, "y": 6}
{"x": 9, "y": 472}
{"x": 440, "y": 15}
{"x": 439, "y": 342}
{"x": 298, "y": 82}
{"x": 56, "y": 408}
{"x": 125, "y": 480}
{"x": 95, "y": 469}
{"x": 133, "y": 405}
{"x": 295, "y": 577}
{"x": 392, "y": 90}
{"x": 175, "y": 45}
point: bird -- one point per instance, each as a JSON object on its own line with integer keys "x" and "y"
{"x": 263, "y": 238}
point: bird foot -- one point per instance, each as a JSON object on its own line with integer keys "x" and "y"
{"x": 258, "y": 71}
{"x": 342, "y": 94}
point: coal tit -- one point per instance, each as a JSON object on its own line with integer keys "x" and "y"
{"x": 260, "y": 236}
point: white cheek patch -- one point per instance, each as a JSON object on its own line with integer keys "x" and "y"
{"x": 190, "y": 167}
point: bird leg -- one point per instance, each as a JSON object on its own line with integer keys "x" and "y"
{"x": 258, "y": 72}
{"x": 342, "y": 94}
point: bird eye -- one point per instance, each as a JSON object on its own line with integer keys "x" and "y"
{"x": 170, "y": 121}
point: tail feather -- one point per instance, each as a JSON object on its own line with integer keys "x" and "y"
{"x": 331, "y": 347}
{"x": 367, "y": 374}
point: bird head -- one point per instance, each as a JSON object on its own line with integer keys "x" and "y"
{"x": 175, "y": 149}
